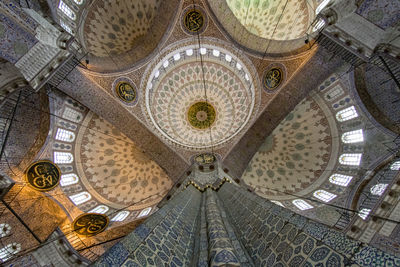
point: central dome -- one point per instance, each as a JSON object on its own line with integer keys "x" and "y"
{"x": 199, "y": 97}
{"x": 201, "y": 115}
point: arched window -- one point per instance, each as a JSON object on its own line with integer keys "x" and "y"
{"x": 363, "y": 213}
{"x": 215, "y": 53}
{"x": 100, "y": 209}
{"x": 72, "y": 114}
{"x": 347, "y": 114}
{"x": 65, "y": 135}
{"x": 350, "y": 159}
{"x": 63, "y": 157}
{"x": 324, "y": 195}
{"x": 120, "y": 216}
{"x": 69, "y": 179}
{"x": 10, "y": 250}
{"x": 277, "y": 203}
{"x": 301, "y": 204}
{"x": 78, "y": 2}
{"x": 340, "y": 179}
{"x": 395, "y": 166}
{"x": 378, "y": 189}
{"x": 66, "y": 10}
{"x": 80, "y": 198}
{"x": 5, "y": 229}
{"x": 353, "y": 136}
{"x": 189, "y": 52}
{"x": 66, "y": 27}
{"x": 203, "y": 51}
{"x": 322, "y": 6}
{"x": 177, "y": 56}
{"x": 228, "y": 58}
{"x": 144, "y": 212}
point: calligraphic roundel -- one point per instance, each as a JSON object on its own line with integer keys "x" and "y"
{"x": 43, "y": 175}
{"x": 89, "y": 224}
{"x": 273, "y": 78}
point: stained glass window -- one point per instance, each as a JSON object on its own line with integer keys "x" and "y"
{"x": 65, "y": 135}
{"x": 69, "y": 179}
{"x": 80, "y": 198}
{"x": 66, "y": 10}
{"x": 301, "y": 204}
{"x": 144, "y": 212}
{"x": 120, "y": 216}
{"x": 347, "y": 114}
{"x": 100, "y": 209}
{"x": 324, "y": 195}
{"x": 340, "y": 179}
{"x": 378, "y": 189}
{"x": 353, "y": 136}
{"x": 350, "y": 159}
{"x": 63, "y": 157}
{"x": 72, "y": 115}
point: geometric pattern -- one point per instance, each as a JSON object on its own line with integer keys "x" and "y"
{"x": 180, "y": 80}
{"x": 115, "y": 27}
{"x": 117, "y": 169}
{"x": 293, "y": 156}
{"x": 261, "y": 17}
{"x": 234, "y": 227}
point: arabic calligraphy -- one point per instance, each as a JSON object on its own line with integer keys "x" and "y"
{"x": 194, "y": 20}
{"x": 273, "y": 78}
{"x": 89, "y": 224}
{"x": 125, "y": 91}
{"x": 43, "y": 175}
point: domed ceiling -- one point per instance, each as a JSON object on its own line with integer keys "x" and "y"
{"x": 297, "y": 153}
{"x": 198, "y": 98}
{"x": 115, "y": 28}
{"x": 114, "y": 170}
{"x": 260, "y": 17}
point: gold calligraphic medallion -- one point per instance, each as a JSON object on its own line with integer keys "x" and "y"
{"x": 193, "y": 20}
{"x": 43, "y": 175}
{"x": 205, "y": 158}
{"x": 201, "y": 115}
{"x": 273, "y": 78}
{"x": 125, "y": 91}
{"x": 89, "y": 224}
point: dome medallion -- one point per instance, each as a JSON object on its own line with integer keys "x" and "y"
{"x": 198, "y": 105}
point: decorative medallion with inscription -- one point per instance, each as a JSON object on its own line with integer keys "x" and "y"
{"x": 43, "y": 175}
{"x": 193, "y": 20}
{"x": 201, "y": 115}
{"x": 205, "y": 158}
{"x": 273, "y": 78}
{"x": 89, "y": 224}
{"x": 125, "y": 91}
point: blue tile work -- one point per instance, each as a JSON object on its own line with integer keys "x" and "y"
{"x": 274, "y": 236}
{"x": 165, "y": 239}
{"x": 236, "y": 228}
{"x": 14, "y": 40}
{"x": 383, "y": 13}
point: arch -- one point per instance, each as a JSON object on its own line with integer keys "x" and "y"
{"x": 353, "y": 136}
{"x": 122, "y": 215}
{"x": 69, "y": 179}
{"x": 347, "y": 114}
{"x": 65, "y": 135}
{"x": 378, "y": 189}
{"x": 353, "y": 159}
{"x": 66, "y": 10}
{"x": 301, "y": 204}
{"x": 340, "y": 179}
{"x": 324, "y": 195}
{"x": 144, "y": 212}
{"x": 100, "y": 209}
{"x": 63, "y": 157}
{"x": 80, "y": 198}
{"x": 8, "y": 251}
